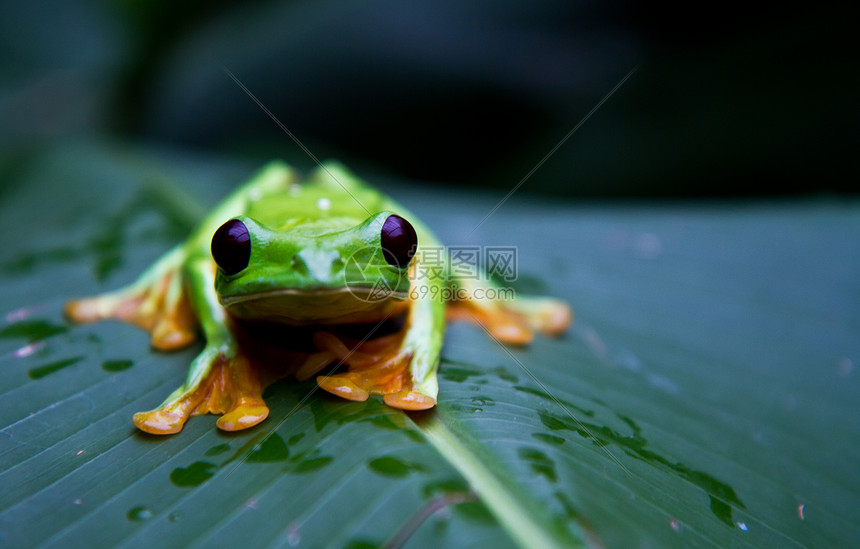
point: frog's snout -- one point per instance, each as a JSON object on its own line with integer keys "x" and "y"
{"x": 320, "y": 265}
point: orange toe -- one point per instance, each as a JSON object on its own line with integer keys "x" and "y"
{"x": 410, "y": 400}
{"x": 88, "y": 309}
{"x": 243, "y": 417}
{"x": 513, "y": 334}
{"x": 553, "y": 318}
{"x": 343, "y": 387}
{"x": 159, "y": 422}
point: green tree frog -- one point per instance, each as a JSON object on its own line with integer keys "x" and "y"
{"x": 293, "y": 258}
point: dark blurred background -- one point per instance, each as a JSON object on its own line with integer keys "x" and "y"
{"x": 727, "y": 99}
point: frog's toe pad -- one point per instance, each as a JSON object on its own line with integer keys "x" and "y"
{"x": 410, "y": 400}
{"x": 159, "y": 422}
{"x": 551, "y": 317}
{"x": 343, "y": 387}
{"x": 90, "y": 309}
{"x": 243, "y": 417}
{"x": 512, "y": 334}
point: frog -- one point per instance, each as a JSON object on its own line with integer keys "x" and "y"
{"x": 302, "y": 257}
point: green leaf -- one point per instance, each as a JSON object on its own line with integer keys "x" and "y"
{"x": 706, "y": 395}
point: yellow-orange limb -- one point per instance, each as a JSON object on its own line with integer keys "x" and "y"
{"x": 514, "y": 323}
{"x": 378, "y": 366}
{"x": 233, "y": 388}
{"x": 161, "y": 308}
{"x": 504, "y": 325}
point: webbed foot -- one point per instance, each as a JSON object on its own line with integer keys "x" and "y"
{"x": 227, "y": 386}
{"x": 378, "y": 366}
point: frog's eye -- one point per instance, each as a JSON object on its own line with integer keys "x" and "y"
{"x": 398, "y": 241}
{"x": 231, "y": 246}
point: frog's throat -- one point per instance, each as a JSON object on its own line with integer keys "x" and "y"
{"x": 343, "y": 305}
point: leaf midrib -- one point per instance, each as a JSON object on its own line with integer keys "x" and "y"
{"x": 504, "y": 499}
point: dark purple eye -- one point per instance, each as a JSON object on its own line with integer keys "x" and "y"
{"x": 398, "y": 241}
{"x": 231, "y": 246}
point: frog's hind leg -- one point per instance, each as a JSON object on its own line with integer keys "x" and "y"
{"x": 223, "y": 379}
{"x": 155, "y": 301}
{"x": 508, "y": 318}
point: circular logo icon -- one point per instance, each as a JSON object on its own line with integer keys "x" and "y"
{"x": 369, "y": 277}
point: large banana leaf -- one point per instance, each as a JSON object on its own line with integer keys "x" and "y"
{"x": 706, "y": 395}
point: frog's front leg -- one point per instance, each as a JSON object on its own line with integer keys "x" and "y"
{"x": 401, "y": 367}
{"x": 221, "y": 380}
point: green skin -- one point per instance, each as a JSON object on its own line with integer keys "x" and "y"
{"x": 335, "y": 259}
{"x": 316, "y": 259}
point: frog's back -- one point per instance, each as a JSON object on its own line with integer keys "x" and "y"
{"x": 329, "y": 198}
{"x": 315, "y": 201}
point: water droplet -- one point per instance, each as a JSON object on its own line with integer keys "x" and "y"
{"x": 175, "y": 516}
{"x": 251, "y": 503}
{"x": 46, "y": 369}
{"x": 17, "y": 315}
{"x": 743, "y": 526}
{"x": 676, "y": 526}
{"x": 273, "y": 448}
{"x": 27, "y": 350}
{"x": 31, "y": 330}
{"x": 78, "y": 501}
{"x": 139, "y": 513}
{"x": 800, "y": 510}
{"x": 116, "y": 365}
{"x": 457, "y": 375}
{"x": 310, "y": 465}
{"x": 79, "y": 452}
{"x": 545, "y": 437}
{"x": 217, "y": 450}
{"x": 539, "y": 462}
{"x": 393, "y": 467}
{"x": 193, "y": 475}
{"x": 324, "y": 204}
{"x": 504, "y": 374}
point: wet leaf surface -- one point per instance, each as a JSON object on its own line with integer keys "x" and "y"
{"x": 706, "y": 396}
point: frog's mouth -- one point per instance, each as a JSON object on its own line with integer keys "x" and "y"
{"x": 344, "y": 305}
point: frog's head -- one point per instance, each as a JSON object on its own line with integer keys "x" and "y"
{"x": 315, "y": 272}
